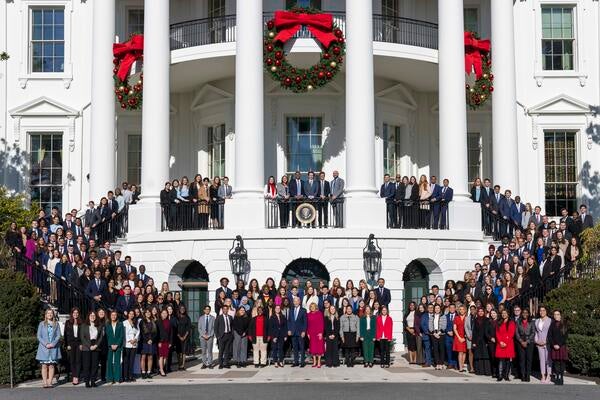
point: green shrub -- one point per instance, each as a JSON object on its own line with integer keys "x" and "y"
{"x": 584, "y": 354}
{"x": 19, "y": 305}
{"x": 579, "y": 302}
{"x": 25, "y": 365}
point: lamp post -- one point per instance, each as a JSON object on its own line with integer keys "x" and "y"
{"x": 372, "y": 260}
{"x": 238, "y": 258}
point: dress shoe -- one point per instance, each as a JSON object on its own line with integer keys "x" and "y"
{"x": 302, "y": 365}
{"x": 93, "y": 384}
{"x": 294, "y": 365}
{"x": 87, "y": 385}
{"x": 203, "y": 366}
{"x": 220, "y": 367}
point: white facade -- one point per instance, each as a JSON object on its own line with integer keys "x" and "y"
{"x": 389, "y": 82}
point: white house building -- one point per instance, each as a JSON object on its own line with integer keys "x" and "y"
{"x": 398, "y": 107}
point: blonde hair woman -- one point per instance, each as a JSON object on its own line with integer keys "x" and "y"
{"x": 424, "y": 195}
{"x": 48, "y": 352}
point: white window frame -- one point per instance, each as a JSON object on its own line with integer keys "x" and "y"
{"x": 577, "y": 134}
{"x": 64, "y": 159}
{"x": 25, "y": 67}
{"x": 480, "y": 146}
{"x": 578, "y": 56}
{"x": 127, "y": 166}
{"x": 210, "y": 149}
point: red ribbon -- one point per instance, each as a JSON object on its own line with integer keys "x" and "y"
{"x": 320, "y": 25}
{"x": 127, "y": 53}
{"x": 474, "y": 50}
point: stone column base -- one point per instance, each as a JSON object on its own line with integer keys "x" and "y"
{"x": 144, "y": 217}
{"x": 364, "y": 213}
{"x": 244, "y": 213}
{"x": 464, "y": 216}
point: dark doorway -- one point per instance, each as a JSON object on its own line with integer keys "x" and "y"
{"x": 416, "y": 282}
{"x": 306, "y": 269}
{"x": 194, "y": 292}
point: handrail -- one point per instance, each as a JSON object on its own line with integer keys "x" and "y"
{"x": 493, "y": 224}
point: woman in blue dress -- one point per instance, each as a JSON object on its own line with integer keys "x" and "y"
{"x": 48, "y": 352}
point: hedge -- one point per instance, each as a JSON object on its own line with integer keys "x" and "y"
{"x": 25, "y": 365}
{"x": 584, "y": 354}
{"x": 19, "y": 305}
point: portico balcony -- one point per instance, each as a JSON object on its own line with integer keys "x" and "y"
{"x": 387, "y": 29}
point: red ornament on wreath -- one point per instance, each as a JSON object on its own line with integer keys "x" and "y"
{"x": 479, "y": 64}
{"x": 125, "y": 54}
{"x": 328, "y": 35}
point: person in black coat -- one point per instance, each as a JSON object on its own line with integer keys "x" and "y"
{"x": 92, "y": 337}
{"x": 277, "y": 331}
{"x": 72, "y": 339}
{"x": 557, "y": 344}
{"x": 332, "y": 338}
{"x": 525, "y": 343}
{"x": 224, "y": 336}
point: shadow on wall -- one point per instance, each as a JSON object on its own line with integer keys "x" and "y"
{"x": 590, "y": 181}
{"x": 15, "y": 168}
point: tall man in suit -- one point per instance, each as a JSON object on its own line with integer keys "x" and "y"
{"x": 505, "y": 208}
{"x": 324, "y": 193}
{"x": 384, "y": 297}
{"x": 125, "y": 302}
{"x": 337, "y": 195}
{"x": 587, "y": 221}
{"x": 297, "y": 193}
{"x": 96, "y": 288}
{"x": 312, "y": 189}
{"x": 323, "y": 297}
{"x": 424, "y": 328}
{"x": 206, "y": 331}
{"x": 449, "y": 336}
{"x": 224, "y": 334}
{"x": 388, "y": 192}
{"x": 223, "y": 288}
{"x": 142, "y": 276}
{"x": 225, "y": 190}
{"x": 517, "y": 210}
{"x": 297, "y": 331}
{"x": 92, "y": 215}
{"x": 440, "y": 198}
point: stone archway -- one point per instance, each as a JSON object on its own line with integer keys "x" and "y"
{"x": 305, "y": 269}
{"x": 418, "y": 276}
{"x": 192, "y": 279}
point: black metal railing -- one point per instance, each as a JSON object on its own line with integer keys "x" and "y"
{"x": 312, "y": 213}
{"x": 56, "y": 291}
{"x": 193, "y": 216}
{"x": 407, "y": 214}
{"x": 496, "y": 226}
{"x": 399, "y": 30}
{"x": 406, "y": 31}
{"x": 111, "y": 228}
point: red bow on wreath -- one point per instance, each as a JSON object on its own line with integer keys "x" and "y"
{"x": 320, "y": 25}
{"x": 474, "y": 49}
{"x": 127, "y": 53}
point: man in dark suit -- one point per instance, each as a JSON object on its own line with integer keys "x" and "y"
{"x": 424, "y": 328}
{"x": 312, "y": 190}
{"x": 68, "y": 224}
{"x": 324, "y": 296}
{"x": 517, "y": 210}
{"x": 127, "y": 267}
{"x": 297, "y": 331}
{"x": 125, "y": 302}
{"x": 224, "y": 335}
{"x": 388, "y": 192}
{"x": 495, "y": 199}
{"x": 322, "y": 206}
{"x": 505, "y": 208}
{"x": 449, "y": 337}
{"x": 297, "y": 194}
{"x": 474, "y": 289}
{"x": 96, "y": 288}
{"x": 337, "y": 196}
{"x": 384, "y": 296}
{"x": 442, "y": 196}
{"x": 142, "y": 276}
{"x": 536, "y": 218}
{"x": 223, "y": 288}
{"x": 92, "y": 215}
{"x": 587, "y": 221}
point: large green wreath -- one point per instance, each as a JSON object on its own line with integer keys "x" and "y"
{"x": 483, "y": 86}
{"x": 301, "y": 80}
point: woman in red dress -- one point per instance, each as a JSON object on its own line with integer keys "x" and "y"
{"x": 505, "y": 344}
{"x": 459, "y": 343}
{"x": 315, "y": 325}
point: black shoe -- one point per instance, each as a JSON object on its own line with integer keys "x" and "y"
{"x": 256, "y": 366}
{"x": 294, "y": 365}
{"x": 220, "y": 366}
{"x": 93, "y": 384}
{"x": 227, "y": 366}
{"x": 203, "y": 366}
{"x": 87, "y": 385}
{"x": 302, "y": 365}
{"x": 211, "y": 366}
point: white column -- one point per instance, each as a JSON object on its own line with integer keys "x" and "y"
{"x": 360, "y": 100}
{"x": 102, "y": 157}
{"x": 504, "y": 100}
{"x": 249, "y": 107}
{"x": 452, "y": 101}
{"x": 155, "y": 109}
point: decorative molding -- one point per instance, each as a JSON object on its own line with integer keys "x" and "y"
{"x": 17, "y": 131}
{"x": 36, "y": 107}
{"x": 406, "y": 99}
{"x": 72, "y": 134}
{"x": 560, "y": 104}
{"x": 534, "y": 131}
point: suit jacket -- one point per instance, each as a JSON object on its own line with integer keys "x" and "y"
{"x": 486, "y": 196}
{"x": 474, "y": 194}
{"x": 225, "y": 192}
{"x": 123, "y": 305}
{"x": 72, "y": 339}
{"x": 337, "y": 187}
{"x": 228, "y": 292}
{"x": 206, "y": 328}
{"x": 333, "y": 329}
{"x": 219, "y": 329}
{"x": 295, "y": 190}
{"x": 388, "y": 192}
{"x": 144, "y": 278}
{"x": 587, "y": 221}
{"x": 92, "y": 217}
{"x": 523, "y": 334}
{"x": 131, "y": 269}
{"x": 384, "y": 298}
{"x": 115, "y": 336}
{"x": 252, "y": 329}
{"x": 495, "y": 203}
{"x": 298, "y": 325}
{"x": 311, "y": 189}
{"x": 444, "y": 196}
{"x": 516, "y": 212}
{"x": 535, "y": 220}
{"x": 94, "y": 290}
{"x": 68, "y": 225}
{"x": 424, "y": 325}
{"x": 505, "y": 207}
{"x": 277, "y": 327}
{"x": 86, "y": 342}
{"x": 282, "y": 190}
{"x": 326, "y": 189}
{"x": 322, "y": 301}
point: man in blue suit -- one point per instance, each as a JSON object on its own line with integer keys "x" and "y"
{"x": 324, "y": 194}
{"x": 505, "y": 209}
{"x": 516, "y": 211}
{"x": 96, "y": 288}
{"x": 388, "y": 192}
{"x": 440, "y": 198}
{"x": 324, "y": 296}
{"x": 449, "y": 337}
{"x": 297, "y": 193}
{"x": 312, "y": 189}
{"x": 425, "y": 335}
{"x": 297, "y": 331}
{"x": 125, "y": 302}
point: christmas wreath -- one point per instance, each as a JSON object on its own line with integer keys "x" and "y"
{"x": 477, "y": 60}
{"x": 282, "y": 28}
{"x": 129, "y": 94}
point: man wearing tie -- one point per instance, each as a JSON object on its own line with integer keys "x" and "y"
{"x": 384, "y": 296}
{"x": 312, "y": 189}
{"x": 68, "y": 223}
{"x": 224, "y": 335}
{"x": 388, "y": 192}
{"x": 505, "y": 206}
{"x": 324, "y": 193}
{"x": 125, "y": 302}
{"x": 142, "y": 276}
{"x": 337, "y": 194}
{"x": 323, "y": 297}
{"x": 440, "y": 198}
{"x": 297, "y": 192}
{"x": 225, "y": 190}
{"x": 587, "y": 221}
{"x": 96, "y": 288}
{"x": 206, "y": 331}
{"x": 536, "y": 217}
{"x": 127, "y": 267}
{"x": 297, "y": 331}
{"x": 449, "y": 337}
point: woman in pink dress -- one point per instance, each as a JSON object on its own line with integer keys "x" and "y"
{"x": 315, "y": 324}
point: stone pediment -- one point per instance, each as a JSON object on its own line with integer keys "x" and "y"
{"x": 561, "y": 104}
{"x": 210, "y": 95}
{"x": 43, "y": 106}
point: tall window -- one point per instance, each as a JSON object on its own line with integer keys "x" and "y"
{"x": 303, "y": 3}
{"x": 474, "y": 152}
{"x": 389, "y": 8}
{"x": 304, "y": 150}
{"x": 134, "y": 159}
{"x": 46, "y": 169}
{"x": 558, "y": 37}
{"x": 216, "y": 8}
{"x": 471, "y": 17}
{"x": 216, "y": 151}
{"x": 217, "y": 24}
{"x": 391, "y": 149}
{"x": 135, "y": 21}
{"x": 561, "y": 171}
{"x": 47, "y": 39}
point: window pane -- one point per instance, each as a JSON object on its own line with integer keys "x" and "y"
{"x": 46, "y": 169}
{"x": 560, "y": 171}
{"x": 37, "y": 17}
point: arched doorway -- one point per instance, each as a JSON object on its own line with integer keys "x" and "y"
{"x": 194, "y": 290}
{"x": 416, "y": 282}
{"x": 306, "y": 269}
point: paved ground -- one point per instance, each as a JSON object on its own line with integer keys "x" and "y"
{"x": 311, "y": 390}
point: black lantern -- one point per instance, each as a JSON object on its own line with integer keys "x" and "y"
{"x": 372, "y": 260}
{"x": 238, "y": 258}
